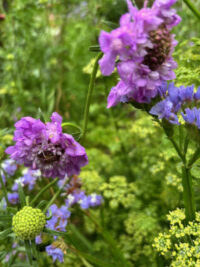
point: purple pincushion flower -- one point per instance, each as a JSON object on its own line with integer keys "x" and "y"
{"x": 44, "y": 147}
{"x": 143, "y": 47}
{"x": 55, "y": 252}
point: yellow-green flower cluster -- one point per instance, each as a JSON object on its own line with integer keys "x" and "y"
{"x": 119, "y": 191}
{"x": 28, "y": 223}
{"x": 141, "y": 129}
{"x": 182, "y": 242}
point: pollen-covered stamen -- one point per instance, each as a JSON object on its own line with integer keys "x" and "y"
{"x": 161, "y": 40}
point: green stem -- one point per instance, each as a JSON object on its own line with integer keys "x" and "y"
{"x": 4, "y": 190}
{"x": 43, "y": 190}
{"x": 186, "y": 143}
{"x": 89, "y": 95}
{"x": 54, "y": 198}
{"x": 28, "y": 251}
{"x": 182, "y": 157}
{"x": 194, "y": 158}
{"x": 110, "y": 241}
{"x": 177, "y": 149}
{"x": 71, "y": 125}
{"x": 192, "y": 8}
{"x": 188, "y": 194}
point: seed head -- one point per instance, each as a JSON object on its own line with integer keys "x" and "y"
{"x": 28, "y": 223}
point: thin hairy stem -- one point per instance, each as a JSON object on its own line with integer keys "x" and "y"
{"x": 89, "y": 96}
{"x": 43, "y": 190}
{"x": 4, "y": 189}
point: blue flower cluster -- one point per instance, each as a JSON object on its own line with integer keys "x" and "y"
{"x": 175, "y": 99}
{"x": 28, "y": 178}
{"x": 8, "y": 169}
{"x": 60, "y": 216}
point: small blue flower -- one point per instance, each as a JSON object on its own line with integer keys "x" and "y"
{"x": 197, "y": 94}
{"x": 13, "y": 198}
{"x": 59, "y": 218}
{"x": 9, "y": 166}
{"x": 190, "y": 115}
{"x": 55, "y": 253}
{"x": 164, "y": 109}
{"x": 186, "y": 93}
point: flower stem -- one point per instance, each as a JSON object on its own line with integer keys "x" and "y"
{"x": 70, "y": 124}
{"x": 188, "y": 194}
{"x": 89, "y": 95}
{"x": 43, "y": 190}
{"x": 192, "y": 7}
{"x": 194, "y": 157}
{"x": 54, "y": 197}
{"x": 4, "y": 190}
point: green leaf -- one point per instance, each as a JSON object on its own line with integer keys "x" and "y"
{"x": 21, "y": 265}
{"x": 12, "y": 210}
{"x": 57, "y": 233}
{"x": 41, "y": 204}
{"x": 5, "y": 233}
{"x": 22, "y": 197}
{"x": 43, "y": 190}
{"x": 5, "y": 218}
{"x": 81, "y": 238}
{"x": 2, "y": 255}
{"x": 98, "y": 262}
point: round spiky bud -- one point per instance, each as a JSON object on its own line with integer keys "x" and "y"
{"x": 28, "y": 223}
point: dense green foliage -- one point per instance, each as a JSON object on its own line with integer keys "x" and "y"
{"x": 45, "y": 67}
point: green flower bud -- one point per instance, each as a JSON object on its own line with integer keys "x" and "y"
{"x": 28, "y": 223}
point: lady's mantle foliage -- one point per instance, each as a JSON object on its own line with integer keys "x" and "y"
{"x": 44, "y": 147}
{"x": 143, "y": 46}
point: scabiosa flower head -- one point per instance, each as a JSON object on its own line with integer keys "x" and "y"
{"x": 55, "y": 252}
{"x": 44, "y": 147}
{"x": 143, "y": 45}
